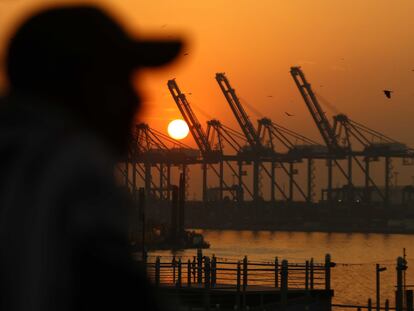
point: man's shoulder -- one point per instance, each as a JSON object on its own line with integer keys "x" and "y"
{"x": 46, "y": 153}
{"x": 44, "y": 149}
{"x": 50, "y": 133}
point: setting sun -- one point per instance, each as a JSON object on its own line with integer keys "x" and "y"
{"x": 178, "y": 129}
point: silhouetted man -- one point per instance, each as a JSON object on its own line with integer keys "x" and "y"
{"x": 64, "y": 123}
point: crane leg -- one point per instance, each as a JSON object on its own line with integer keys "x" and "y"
{"x": 148, "y": 181}
{"x": 350, "y": 197}
{"x": 291, "y": 181}
{"x": 161, "y": 185}
{"x": 256, "y": 165}
{"x": 272, "y": 183}
{"x": 310, "y": 180}
{"x": 204, "y": 168}
{"x": 329, "y": 193}
{"x": 387, "y": 180}
{"x": 221, "y": 181}
{"x": 367, "y": 183}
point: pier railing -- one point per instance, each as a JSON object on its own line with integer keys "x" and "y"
{"x": 211, "y": 272}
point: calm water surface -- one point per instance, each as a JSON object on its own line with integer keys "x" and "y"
{"x": 353, "y": 279}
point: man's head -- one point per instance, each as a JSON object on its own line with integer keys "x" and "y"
{"x": 82, "y": 59}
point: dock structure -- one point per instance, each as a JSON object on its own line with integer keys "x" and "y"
{"x": 211, "y": 283}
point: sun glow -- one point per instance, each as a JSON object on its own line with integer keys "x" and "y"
{"x": 178, "y": 129}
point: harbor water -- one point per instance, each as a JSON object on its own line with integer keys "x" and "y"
{"x": 355, "y": 255}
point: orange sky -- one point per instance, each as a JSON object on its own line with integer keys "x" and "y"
{"x": 349, "y": 50}
{"x": 255, "y": 43}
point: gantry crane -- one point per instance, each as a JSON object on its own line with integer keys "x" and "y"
{"x": 190, "y": 118}
{"x": 339, "y": 138}
{"x": 326, "y": 130}
{"x": 210, "y": 155}
{"x": 241, "y": 116}
{"x": 374, "y": 145}
{"x": 252, "y": 137}
{"x": 149, "y": 149}
{"x": 195, "y": 128}
{"x": 229, "y": 142}
{"x": 266, "y": 152}
{"x": 298, "y": 148}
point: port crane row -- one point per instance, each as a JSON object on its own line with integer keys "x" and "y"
{"x": 347, "y": 145}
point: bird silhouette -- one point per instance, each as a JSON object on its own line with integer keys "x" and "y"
{"x": 269, "y": 95}
{"x": 388, "y": 93}
{"x": 289, "y": 114}
{"x": 185, "y": 54}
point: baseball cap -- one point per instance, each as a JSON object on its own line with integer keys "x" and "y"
{"x": 58, "y": 44}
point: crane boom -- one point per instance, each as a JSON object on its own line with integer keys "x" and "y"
{"x": 318, "y": 115}
{"x": 246, "y": 125}
{"x": 195, "y": 127}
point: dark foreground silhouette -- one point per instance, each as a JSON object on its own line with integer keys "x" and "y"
{"x": 63, "y": 125}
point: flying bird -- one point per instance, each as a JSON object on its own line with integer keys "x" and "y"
{"x": 388, "y": 93}
{"x": 164, "y": 25}
{"x": 269, "y": 95}
{"x": 185, "y": 54}
{"x": 289, "y": 114}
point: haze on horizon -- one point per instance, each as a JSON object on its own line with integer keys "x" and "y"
{"x": 349, "y": 50}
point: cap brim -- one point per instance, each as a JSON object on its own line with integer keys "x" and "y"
{"x": 153, "y": 53}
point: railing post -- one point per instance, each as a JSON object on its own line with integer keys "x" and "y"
{"x": 369, "y": 304}
{"x": 276, "y": 272}
{"x": 189, "y": 273}
{"x": 213, "y": 271}
{"x": 245, "y": 276}
{"x": 387, "y": 305}
{"x": 238, "y": 285}
{"x": 284, "y": 282}
{"x": 173, "y": 263}
{"x": 194, "y": 269}
{"x": 307, "y": 276}
{"x": 401, "y": 266}
{"x": 157, "y": 271}
{"x": 409, "y": 299}
{"x": 311, "y": 274}
{"x": 179, "y": 279}
{"x": 199, "y": 266}
{"x": 377, "y": 287}
{"x": 244, "y": 273}
{"x": 327, "y": 272}
{"x": 207, "y": 272}
{"x": 207, "y": 280}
